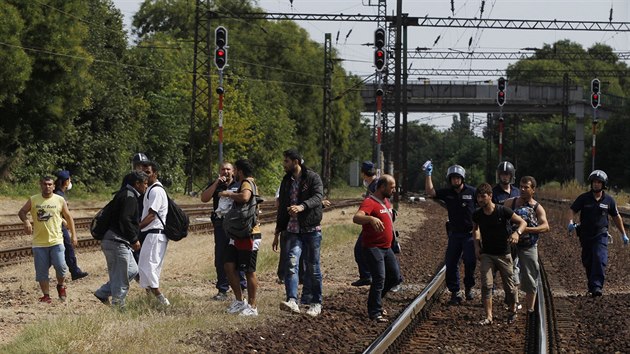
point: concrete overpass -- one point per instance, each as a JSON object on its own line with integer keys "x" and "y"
{"x": 447, "y": 97}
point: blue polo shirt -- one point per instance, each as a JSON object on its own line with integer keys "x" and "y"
{"x": 460, "y": 207}
{"x": 594, "y": 213}
{"x": 499, "y": 196}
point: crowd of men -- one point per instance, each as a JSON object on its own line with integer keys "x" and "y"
{"x": 499, "y": 227}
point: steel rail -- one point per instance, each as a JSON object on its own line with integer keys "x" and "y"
{"x": 409, "y": 316}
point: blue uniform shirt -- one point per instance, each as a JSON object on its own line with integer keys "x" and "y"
{"x": 499, "y": 196}
{"x": 594, "y": 213}
{"x": 460, "y": 207}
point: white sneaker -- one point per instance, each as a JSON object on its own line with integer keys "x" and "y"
{"x": 314, "y": 310}
{"x": 237, "y": 306}
{"x": 163, "y": 300}
{"x": 290, "y": 306}
{"x": 249, "y": 311}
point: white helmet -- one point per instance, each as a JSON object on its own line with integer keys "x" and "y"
{"x": 600, "y": 176}
{"x": 455, "y": 170}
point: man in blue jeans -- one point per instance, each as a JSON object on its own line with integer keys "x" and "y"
{"x": 459, "y": 199}
{"x": 121, "y": 239}
{"x": 299, "y": 215}
{"x": 375, "y": 216}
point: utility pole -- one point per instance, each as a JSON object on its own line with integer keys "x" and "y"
{"x": 501, "y": 86}
{"x": 595, "y": 102}
{"x": 397, "y": 93}
{"x": 327, "y": 118}
{"x": 200, "y": 93}
{"x": 220, "y": 60}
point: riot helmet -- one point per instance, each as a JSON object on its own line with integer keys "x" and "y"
{"x": 138, "y": 159}
{"x": 600, "y": 176}
{"x": 506, "y": 167}
{"x": 455, "y": 170}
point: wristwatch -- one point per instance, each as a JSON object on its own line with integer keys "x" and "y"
{"x": 518, "y": 232}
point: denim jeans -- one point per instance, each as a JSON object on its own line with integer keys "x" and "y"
{"x": 308, "y": 246}
{"x": 45, "y": 257}
{"x": 385, "y": 275}
{"x": 121, "y": 267}
{"x": 364, "y": 270}
{"x": 460, "y": 245}
{"x": 221, "y": 241}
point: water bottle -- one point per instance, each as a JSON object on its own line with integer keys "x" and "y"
{"x": 426, "y": 164}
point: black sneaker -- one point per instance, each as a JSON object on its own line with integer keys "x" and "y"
{"x": 470, "y": 294}
{"x": 103, "y": 300}
{"x": 362, "y": 282}
{"x": 597, "y": 292}
{"x": 456, "y": 299}
{"x": 79, "y": 275}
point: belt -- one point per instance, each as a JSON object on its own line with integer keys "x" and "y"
{"x": 153, "y": 231}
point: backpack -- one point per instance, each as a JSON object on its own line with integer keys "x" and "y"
{"x": 102, "y": 220}
{"x": 241, "y": 219}
{"x": 177, "y": 222}
{"x": 528, "y": 213}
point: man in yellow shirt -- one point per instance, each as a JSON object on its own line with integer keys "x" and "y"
{"x": 47, "y": 210}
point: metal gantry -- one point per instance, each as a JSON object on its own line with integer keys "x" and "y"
{"x": 424, "y": 53}
{"x": 201, "y": 67}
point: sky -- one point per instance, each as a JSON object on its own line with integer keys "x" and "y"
{"x": 358, "y": 56}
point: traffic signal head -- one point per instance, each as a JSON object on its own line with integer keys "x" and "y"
{"x": 501, "y": 97}
{"x": 220, "y": 57}
{"x": 379, "y": 38}
{"x": 501, "y": 84}
{"x": 595, "y": 86}
{"x": 379, "y": 59}
{"x": 220, "y": 37}
{"x": 595, "y": 99}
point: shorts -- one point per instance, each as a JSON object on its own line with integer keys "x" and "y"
{"x": 44, "y": 257}
{"x": 245, "y": 260}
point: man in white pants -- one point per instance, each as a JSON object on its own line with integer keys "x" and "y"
{"x": 155, "y": 208}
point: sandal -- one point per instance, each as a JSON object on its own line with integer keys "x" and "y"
{"x": 485, "y": 322}
{"x": 380, "y": 319}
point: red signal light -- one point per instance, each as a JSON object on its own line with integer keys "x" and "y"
{"x": 220, "y": 53}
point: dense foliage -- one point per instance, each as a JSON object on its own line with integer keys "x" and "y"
{"x": 74, "y": 94}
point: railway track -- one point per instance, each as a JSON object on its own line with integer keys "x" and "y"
{"x": 82, "y": 223}
{"x": 421, "y": 329}
{"x": 18, "y": 254}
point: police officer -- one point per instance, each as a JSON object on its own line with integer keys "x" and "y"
{"x": 505, "y": 188}
{"x": 460, "y": 204}
{"x": 594, "y": 207}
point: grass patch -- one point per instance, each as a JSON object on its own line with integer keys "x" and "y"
{"x": 191, "y": 322}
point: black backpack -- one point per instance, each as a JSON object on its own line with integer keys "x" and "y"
{"x": 177, "y": 222}
{"x": 241, "y": 219}
{"x": 102, "y": 220}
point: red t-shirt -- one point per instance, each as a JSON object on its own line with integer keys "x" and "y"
{"x": 371, "y": 237}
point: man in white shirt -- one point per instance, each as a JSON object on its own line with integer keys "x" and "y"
{"x": 155, "y": 209}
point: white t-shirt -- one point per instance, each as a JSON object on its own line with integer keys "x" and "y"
{"x": 155, "y": 198}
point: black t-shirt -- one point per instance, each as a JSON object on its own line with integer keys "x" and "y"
{"x": 494, "y": 230}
